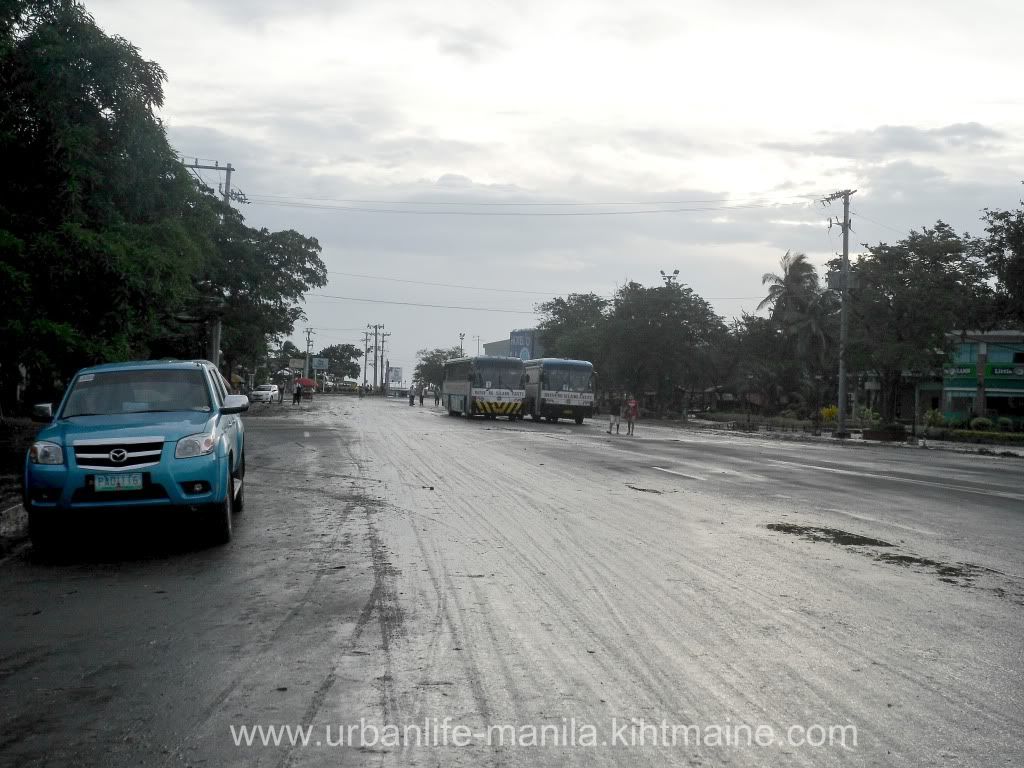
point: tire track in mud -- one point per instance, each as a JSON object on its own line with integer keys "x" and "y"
{"x": 446, "y": 622}
{"x": 176, "y": 753}
{"x": 659, "y": 646}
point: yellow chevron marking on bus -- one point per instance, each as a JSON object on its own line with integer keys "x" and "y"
{"x": 494, "y": 408}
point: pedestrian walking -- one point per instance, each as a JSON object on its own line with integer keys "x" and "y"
{"x": 614, "y": 409}
{"x": 421, "y": 395}
{"x": 297, "y": 396}
{"x": 437, "y": 396}
{"x": 280, "y": 394}
{"x": 412, "y": 395}
{"x": 632, "y": 413}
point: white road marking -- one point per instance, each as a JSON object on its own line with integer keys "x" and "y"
{"x": 856, "y": 473}
{"x": 680, "y": 474}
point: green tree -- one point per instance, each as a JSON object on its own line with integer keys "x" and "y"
{"x": 342, "y": 359}
{"x": 792, "y": 290}
{"x": 658, "y": 340}
{"x": 108, "y": 248}
{"x": 430, "y": 364}
{"x": 1003, "y": 251}
{"x": 905, "y": 299}
{"x": 257, "y": 278}
{"x": 573, "y": 326}
{"x": 97, "y": 217}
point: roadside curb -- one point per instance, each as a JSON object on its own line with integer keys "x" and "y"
{"x": 997, "y": 452}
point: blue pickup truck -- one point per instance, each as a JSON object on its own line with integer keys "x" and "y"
{"x": 138, "y": 436}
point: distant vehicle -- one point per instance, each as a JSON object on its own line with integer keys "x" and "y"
{"x": 559, "y": 388}
{"x": 142, "y": 436}
{"x": 348, "y": 386}
{"x": 488, "y": 386}
{"x": 264, "y": 393}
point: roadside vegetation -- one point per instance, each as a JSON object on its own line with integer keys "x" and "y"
{"x": 109, "y": 248}
{"x": 665, "y": 342}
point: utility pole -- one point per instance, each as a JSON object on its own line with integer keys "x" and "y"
{"x": 462, "y": 352}
{"x": 384, "y": 362}
{"x": 477, "y": 344}
{"x": 309, "y": 350}
{"x": 213, "y": 342}
{"x": 376, "y": 348}
{"x": 366, "y": 354}
{"x": 844, "y": 317}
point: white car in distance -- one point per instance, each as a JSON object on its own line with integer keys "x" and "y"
{"x": 264, "y": 393}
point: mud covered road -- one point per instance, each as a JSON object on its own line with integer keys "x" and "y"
{"x": 400, "y": 570}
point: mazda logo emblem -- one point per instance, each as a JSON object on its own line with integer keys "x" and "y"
{"x": 118, "y": 455}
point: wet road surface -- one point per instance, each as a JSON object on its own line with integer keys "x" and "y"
{"x": 401, "y": 566}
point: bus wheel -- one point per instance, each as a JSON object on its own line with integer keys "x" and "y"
{"x": 579, "y": 419}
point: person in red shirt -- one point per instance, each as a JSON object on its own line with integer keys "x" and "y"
{"x": 632, "y": 413}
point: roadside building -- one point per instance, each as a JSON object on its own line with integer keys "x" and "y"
{"x": 523, "y": 343}
{"x": 497, "y": 348}
{"x": 984, "y": 376}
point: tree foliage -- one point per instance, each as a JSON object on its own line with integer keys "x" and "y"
{"x": 660, "y": 341}
{"x": 430, "y": 364}
{"x": 1003, "y": 252}
{"x": 905, "y": 299}
{"x": 109, "y": 249}
{"x": 342, "y": 359}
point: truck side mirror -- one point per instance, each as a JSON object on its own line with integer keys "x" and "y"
{"x": 42, "y": 412}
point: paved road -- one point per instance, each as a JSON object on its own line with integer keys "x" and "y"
{"x": 402, "y": 566}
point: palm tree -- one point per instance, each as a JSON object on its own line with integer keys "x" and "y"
{"x": 792, "y": 291}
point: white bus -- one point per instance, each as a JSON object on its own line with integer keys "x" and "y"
{"x": 487, "y": 386}
{"x": 559, "y": 388}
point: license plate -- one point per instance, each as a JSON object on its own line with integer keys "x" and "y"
{"x": 129, "y": 482}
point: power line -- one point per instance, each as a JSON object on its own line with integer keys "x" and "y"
{"x": 438, "y": 285}
{"x": 415, "y": 304}
{"x": 353, "y": 209}
{"x": 762, "y": 199}
{"x": 482, "y": 288}
{"x": 878, "y": 223}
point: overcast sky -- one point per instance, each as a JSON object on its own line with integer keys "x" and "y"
{"x": 401, "y": 109}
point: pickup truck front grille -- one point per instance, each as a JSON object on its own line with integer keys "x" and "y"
{"x": 127, "y": 453}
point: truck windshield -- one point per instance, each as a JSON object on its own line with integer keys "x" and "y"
{"x": 120, "y": 392}
{"x": 569, "y": 380}
{"x": 497, "y": 376}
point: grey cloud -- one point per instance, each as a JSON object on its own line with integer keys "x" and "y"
{"x": 263, "y": 12}
{"x": 596, "y": 253}
{"x": 887, "y": 140}
{"x": 469, "y": 43}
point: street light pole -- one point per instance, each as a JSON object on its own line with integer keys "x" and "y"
{"x": 462, "y": 352}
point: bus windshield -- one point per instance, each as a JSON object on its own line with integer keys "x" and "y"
{"x": 569, "y": 380}
{"x": 497, "y": 375}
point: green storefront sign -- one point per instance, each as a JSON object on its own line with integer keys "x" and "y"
{"x": 1004, "y": 371}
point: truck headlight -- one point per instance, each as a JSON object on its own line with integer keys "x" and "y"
{"x": 46, "y": 453}
{"x": 195, "y": 445}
